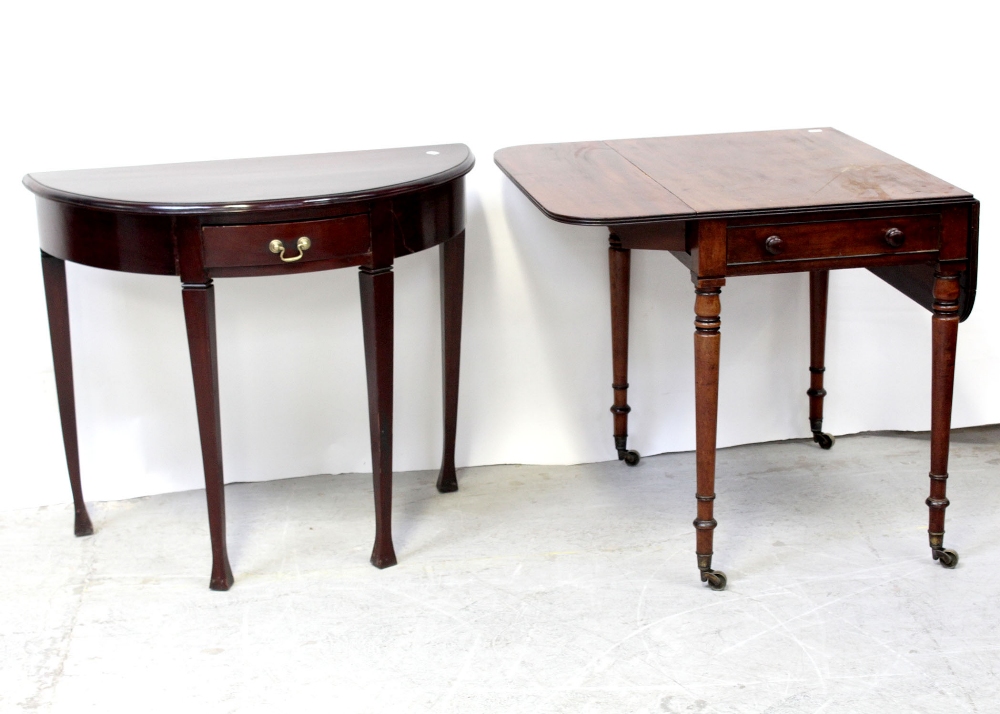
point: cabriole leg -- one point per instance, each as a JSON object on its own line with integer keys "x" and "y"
{"x": 452, "y": 260}
{"x": 199, "y": 314}
{"x": 57, "y": 301}
{"x": 707, "y": 308}
{"x": 819, "y": 282}
{"x": 619, "y": 264}
{"x": 944, "y": 336}
{"x": 377, "y": 322}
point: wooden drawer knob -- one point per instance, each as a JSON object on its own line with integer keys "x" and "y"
{"x": 774, "y": 245}
{"x": 894, "y": 237}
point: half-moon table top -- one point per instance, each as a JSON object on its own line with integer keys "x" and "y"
{"x": 238, "y": 185}
{"x": 713, "y": 175}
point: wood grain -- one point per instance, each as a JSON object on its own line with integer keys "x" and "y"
{"x": 640, "y": 180}
{"x": 586, "y": 183}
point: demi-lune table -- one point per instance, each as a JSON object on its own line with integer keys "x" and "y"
{"x": 810, "y": 200}
{"x": 264, "y": 216}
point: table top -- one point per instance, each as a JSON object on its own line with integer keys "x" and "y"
{"x": 240, "y": 185}
{"x": 713, "y": 175}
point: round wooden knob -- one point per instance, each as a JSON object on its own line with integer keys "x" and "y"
{"x": 894, "y": 237}
{"x": 774, "y": 245}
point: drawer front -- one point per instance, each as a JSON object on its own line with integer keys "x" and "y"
{"x": 255, "y": 245}
{"x": 832, "y": 239}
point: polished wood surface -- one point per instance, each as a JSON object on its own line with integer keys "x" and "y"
{"x": 944, "y": 338}
{"x": 377, "y": 322}
{"x": 452, "y": 268}
{"x": 208, "y": 220}
{"x": 804, "y": 200}
{"x": 199, "y": 316}
{"x": 819, "y": 288}
{"x": 341, "y": 241}
{"x": 891, "y": 235}
{"x": 640, "y": 180}
{"x": 586, "y": 183}
{"x": 268, "y": 183}
{"x": 57, "y": 301}
{"x": 620, "y": 276}
{"x": 765, "y": 170}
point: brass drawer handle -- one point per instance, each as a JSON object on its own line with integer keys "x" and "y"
{"x": 894, "y": 237}
{"x": 303, "y": 244}
{"x": 774, "y": 245}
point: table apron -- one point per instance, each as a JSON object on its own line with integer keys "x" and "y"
{"x": 854, "y": 261}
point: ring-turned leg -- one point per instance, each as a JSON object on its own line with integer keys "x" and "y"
{"x": 199, "y": 314}
{"x": 619, "y": 264}
{"x": 707, "y": 322}
{"x": 452, "y": 260}
{"x": 819, "y": 281}
{"x": 377, "y": 320}
{"x": 57, "y": 301}
{"x": 944, "y": 336}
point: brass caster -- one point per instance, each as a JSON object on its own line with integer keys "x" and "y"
{"x": 631, "y": 458}
{"x": 948, "y": 558}
{"x": 716, "y": 579}
{"x": 825, "y": 441}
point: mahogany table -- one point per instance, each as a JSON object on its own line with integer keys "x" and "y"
{"x": 809, "y": 200}
{"x": 267, "y": 216}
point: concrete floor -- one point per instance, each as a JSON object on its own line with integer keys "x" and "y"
{"x": 532, "y": 589}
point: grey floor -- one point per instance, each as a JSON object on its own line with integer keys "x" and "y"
{"x": 532, "y": 589}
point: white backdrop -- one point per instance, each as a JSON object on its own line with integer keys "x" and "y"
{"x": 118, "y": 83}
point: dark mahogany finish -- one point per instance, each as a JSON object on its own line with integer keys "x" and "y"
{"x": 619, "y": 263}
{"x": 215, "y": 219}
{"x": 819, "y": 284}
{"x": 452, "y": 261}
{"x": 807, "y": 200}
{"x": 54, "y": 275}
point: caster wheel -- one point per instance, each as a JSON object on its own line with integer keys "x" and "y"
{"x": 716, "y": 579}
{"x": 948, "y": 558}
{"x": 825, "y": 441}
{"x": 631, "y": 458}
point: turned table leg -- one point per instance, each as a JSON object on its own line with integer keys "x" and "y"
{"x": 819, "y": 281}
{"x": 707, "y": 324}
{"x": 944, "y": 335}
{"x": 199, "y": 314}
{"x": 377, "y": 320}
{"x": 619, "y": 264}
{"x": 57, "y": 301}
{"x": 452, "y": 261}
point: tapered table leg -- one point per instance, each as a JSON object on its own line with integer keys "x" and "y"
{"x": 619, "y": 265}
{"x": 57, "y": 301}
{"x": 944, "y": 336}
{"x": 707, "y": 308}
{"x": 377, "y": 320}
{"x": 199, "y": 314}
{"x": 452, "y": 260}
{"x": 819, "y": 281}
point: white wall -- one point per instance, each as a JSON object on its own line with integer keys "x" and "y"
{"x": 105, "y": 83}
